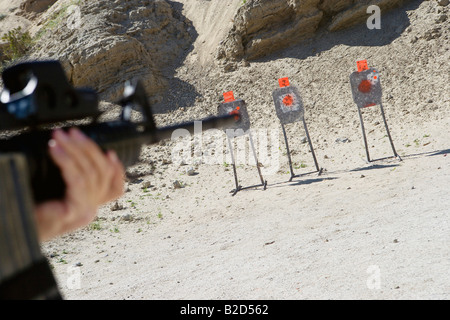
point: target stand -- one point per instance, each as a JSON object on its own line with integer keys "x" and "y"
{"x": 240, "y": 128}
{"x": 289, "y": 109}
{"x": 366, "y": 91}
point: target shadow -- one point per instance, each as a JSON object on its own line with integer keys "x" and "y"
{"x": 371, "y": 166}
{"x": 299, "y": 182}
{"x": 311, "y": 181}
{"x": 439, "y": 153}
{"x": 375, "y": 167}
{"x": 427, "y": 154}
{"x": 254, "y": 187}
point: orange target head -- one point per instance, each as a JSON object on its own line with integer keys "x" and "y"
{"x": 362, "y": 65}
{"x": 365, "y": 86}
{"x": 228, "y": 96}
{"x": 288, "y": 100}
{"x": 283, "y": 82}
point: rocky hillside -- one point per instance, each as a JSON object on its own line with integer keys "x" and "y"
{"x": 172, "y": 47}
{"x": 32, "y": 8}
{"x": 115, "y": 41}
{"x": 102, "y": 43}
{"x": 265, "y": 26}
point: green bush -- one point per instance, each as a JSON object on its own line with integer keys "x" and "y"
{"x": 18, "y": 43}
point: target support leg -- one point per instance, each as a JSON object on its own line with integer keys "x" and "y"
{"x": 310, "y": 145}
{"x": 364, "y": 134}
{"x": 288, "y": 153}
{"x": 238, "y": 187}
{"x": 263, "y": 183}
{"x": 389, "y": 133}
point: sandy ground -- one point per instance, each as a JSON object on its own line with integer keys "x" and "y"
{"x": 359, "y": 230}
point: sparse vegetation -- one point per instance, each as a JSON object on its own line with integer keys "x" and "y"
{"x": 19, "y": 42}
{"x": 56, "y": 19}
{"x": 300, "y": 166}
{"x": 115, "y": 230}
{"x": 95, "y": 226}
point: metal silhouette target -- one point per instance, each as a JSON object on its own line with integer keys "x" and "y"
{"x": 288, "y": 103}
{"x": 289, "y": 109}
{"x": 366, "y": 91}
{"x": 366, "y": 87}
{"x": 241, "y": 127}
{"x": 239, "y": 108}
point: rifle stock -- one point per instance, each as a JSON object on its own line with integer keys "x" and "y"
{"x": 24, "y": 272}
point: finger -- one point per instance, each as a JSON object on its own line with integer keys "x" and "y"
{"x": 104, "y": 175}
{"x": 69, "y": 169}
{"x": 75, "y": 151}
{"x": 117, "y": 179}
{"x": 94, "y": 153}
{"x": 77, "y": 207}
{"x": 91, "y": 160}
{"x": 100, "y": 171}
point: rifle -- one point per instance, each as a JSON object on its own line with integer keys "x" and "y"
{"x": 38, "y": 96}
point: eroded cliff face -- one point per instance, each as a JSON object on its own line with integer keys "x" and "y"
{"x": 103, "y": 43}
{"x": 32, "y": 8}
{"x": 264, "y": 26}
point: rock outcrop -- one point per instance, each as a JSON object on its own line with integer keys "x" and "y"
{"x": 261, "y": 24}
{"x": 357, "y": 13}
{"x": 32, "y": 8}
{"x": 103, "y": 43}
{"x": 264, "y": 26}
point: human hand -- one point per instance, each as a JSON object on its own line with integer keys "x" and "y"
{"x": 92, "y": 178}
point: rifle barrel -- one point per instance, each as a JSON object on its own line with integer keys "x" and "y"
{"x": 193, "y": 127}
